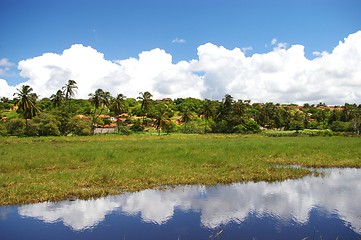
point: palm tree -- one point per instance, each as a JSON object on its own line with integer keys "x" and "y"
{"x": 225, "y": 108}
{"x": 26, "y": 103}
{"x": 208, "y": 111}
{"x": 162, "y": 119}
{"x": 146, "y": 98}
{"x": 57, "y": 98}
{"x": 69, "y": 90}
{"x": 99, "y": 99}
{"x": 186, "y": 116}
{"x": 118, "y": 106}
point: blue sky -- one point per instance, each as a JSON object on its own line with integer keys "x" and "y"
{"x": 124, "y": 28}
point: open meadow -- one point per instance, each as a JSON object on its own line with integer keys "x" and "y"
{"x": 56, "y": 168}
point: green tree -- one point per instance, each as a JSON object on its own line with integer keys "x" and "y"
{"x": 249, "y": 126}
{"x": 46, "y": 125}
{"x": 58, "y": 98}
{"x": 26, "y": 103}
{"x": 162, "y": 121}
{"x": 16, "y": 127}
{"x": 118, "y": 106}
{"x": 99, "y": 99}
{"x": 69, "y": 90}
{"x": 186, "y": 116}
{"x": 5, "y": 103}
{"x": 146, "y": 99}
{"x": 208, "y": 112}
{"x": 80, "y": 127}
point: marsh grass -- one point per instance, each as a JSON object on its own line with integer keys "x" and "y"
{"x": 55, "y": 168}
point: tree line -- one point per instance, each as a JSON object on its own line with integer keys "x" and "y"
{"x": 62, "y": 114}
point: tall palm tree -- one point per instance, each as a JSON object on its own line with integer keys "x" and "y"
{"x": 146, "y": 98}
{"x": 69, "y": 90}
{"x": 26, "y": 103}
{"x": 225, "y": 108}
{"x": 208, "y": 112}
{"x": 118, "y": 107}
{"x": 99, "y": 99}
{"x": 186, "y": 116}
{"x": 118, "y": 104}
{"x": 208, "y": 109}
{"x": 162, "y": 119}
{"x": 57, "y": 98}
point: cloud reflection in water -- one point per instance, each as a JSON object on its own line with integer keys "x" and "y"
{"x": 287, "y": 202}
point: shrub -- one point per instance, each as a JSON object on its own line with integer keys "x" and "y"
{"x": 193, "y": 127}
{"x": 124, "y": 130}
{"x": 339, "y": 126}
{"x": 79, "y": 126}
{"x": 44, "y": 124}
{"x": 250, "y": 126}
{"x": 137, "y": 126}
{"x": 3, "y": 131}
{"x": 16, "y": 127}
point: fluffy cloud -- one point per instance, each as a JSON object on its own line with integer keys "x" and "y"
{"x": 282, "y": 75}
{"x": 5, "y": 66}
{"x": 5, "y": 89}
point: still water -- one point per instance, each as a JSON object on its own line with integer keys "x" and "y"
{"x": 326, "y": 207}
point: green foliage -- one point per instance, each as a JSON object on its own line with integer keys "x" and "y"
{"x": 3, "y": 131}
{"x": 10, "y": 115}
{"x": 80, "y": 127}
{"x": 339, "y": 126}
{"x": 80, "y": 106}
{"x": 249, "y": 126}
{"x": 26, "y": 102}
{"x": 46, "y": 125}
{"x": 124, "y": 130}
{"x": 45, "y": 105}
{"x": 186, "y": 115}
{"x": 194, "y": 127}
{"x": 137, "y": 126}
{"x": 5, "y": 104}
{"x": 16, "y": 127}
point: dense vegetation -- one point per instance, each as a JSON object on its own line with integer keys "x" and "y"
{"x": 38, "y": 169}
{"x": 61, "y": 114}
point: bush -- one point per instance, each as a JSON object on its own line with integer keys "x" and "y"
{"x": 3, "y": 131}
{"x": 124, "y": 130}
{"x": 339, "y": 126}
{"x": 16, "y": 127}
{"x": 137, "y": 126}
{"x": 250, "y": 126}
{"x": 193, "y": 127}
{"x": 80, "y": 127}
{"x": 315, "y": 132}
{"x": 44, "y": 124}
{"x": 221, "y": 127}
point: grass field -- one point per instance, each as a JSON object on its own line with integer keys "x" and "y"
{"x": 56, "y": 168}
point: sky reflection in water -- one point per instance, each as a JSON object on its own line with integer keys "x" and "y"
{"x": 327, "y": 207}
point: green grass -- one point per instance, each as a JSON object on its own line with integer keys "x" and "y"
{"x": 56, "y": 168}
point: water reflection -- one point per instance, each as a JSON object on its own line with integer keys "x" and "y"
{"x": 286, "y": 203}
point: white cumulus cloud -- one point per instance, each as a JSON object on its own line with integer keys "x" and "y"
{"x": 281, "y": 75}
{"x": 5, "y": 66}
{"x": 5, "y": 89}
